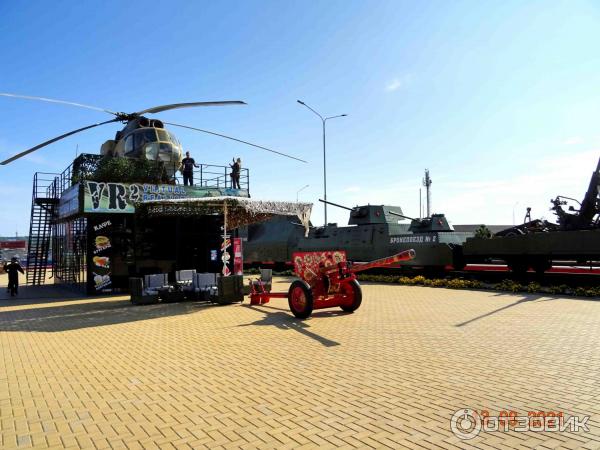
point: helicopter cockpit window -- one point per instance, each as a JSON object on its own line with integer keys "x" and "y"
{"x": 174, "y": 140}
{"x": 141, "y": 142}
{"x": 165, "y": 151}
{"x": 142, "y": 137}
{"x": 162, "y": 135}
{"x": 129, "y": 144}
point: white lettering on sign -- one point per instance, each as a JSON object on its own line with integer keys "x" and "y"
{"x": 102, "y": 225}
{"x": 413, "y": 239}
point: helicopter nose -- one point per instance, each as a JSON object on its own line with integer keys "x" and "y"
{"x": 165, "y": 152}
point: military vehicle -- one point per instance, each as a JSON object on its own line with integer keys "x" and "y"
{"x": 141, "y": 138}
{"x": 537, "y": 244}
{"x": 373, "y": 231}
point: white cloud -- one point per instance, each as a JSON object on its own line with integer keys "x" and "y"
{"x": 575, "y": 140}
{"x": 398, "y": 83}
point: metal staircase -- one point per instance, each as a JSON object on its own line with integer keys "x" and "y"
{"x": 43, "y": 207}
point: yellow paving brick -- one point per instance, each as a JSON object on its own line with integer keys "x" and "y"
{"x": 99, "y": 373}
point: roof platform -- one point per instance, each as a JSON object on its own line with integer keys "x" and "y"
{"x": 237, "y": 211}
{"x": 96, "y": 185}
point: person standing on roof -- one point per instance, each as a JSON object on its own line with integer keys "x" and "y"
{"x": 236, "y": 169}
{"x": 13, "y": 268}
{"x": 187, "y": 169}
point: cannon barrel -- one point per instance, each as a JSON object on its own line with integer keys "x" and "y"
{"x": 406, "y": 255}
{"x": 335, "y": 204}
{"x": 401, "y": 215}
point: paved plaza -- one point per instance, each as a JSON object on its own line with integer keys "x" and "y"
{"x": 100, "y": 373}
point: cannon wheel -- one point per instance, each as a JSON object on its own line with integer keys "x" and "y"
{"x": 300, "y": 299}
{"x": 353, "y": 291}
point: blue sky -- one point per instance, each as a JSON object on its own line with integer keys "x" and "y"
{"x": 500, "y": 100}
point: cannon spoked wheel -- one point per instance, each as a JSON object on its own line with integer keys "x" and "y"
{"x": 300, "y": 299}
{"x": 354, "y": 292}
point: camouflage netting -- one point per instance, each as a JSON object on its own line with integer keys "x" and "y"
{"x": 240, "y": 211}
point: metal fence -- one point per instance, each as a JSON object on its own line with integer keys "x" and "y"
{"x": 85, "y": 167}
{"x": 212, "y": 176}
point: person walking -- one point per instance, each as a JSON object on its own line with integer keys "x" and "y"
{"x": 236, "y": 169}
{"x": 13, "y": 268}
{"x": 187, "y": 169}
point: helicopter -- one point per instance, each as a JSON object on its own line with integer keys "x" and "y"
{"x": 141, "y": 137}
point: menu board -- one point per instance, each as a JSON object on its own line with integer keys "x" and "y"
{"x": 101, "y": 251}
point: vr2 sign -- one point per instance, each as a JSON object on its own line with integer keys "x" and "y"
{"x": 116, "y": 195}
{"x": 121, "y": 197}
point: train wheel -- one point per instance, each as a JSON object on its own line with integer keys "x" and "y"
{"x": 354, "y": 291}
{"x": 518, "y": 267}
{"x": 300, "y": 299}
{"x": 541, "y": 265}
{"x": 435, "y": 271}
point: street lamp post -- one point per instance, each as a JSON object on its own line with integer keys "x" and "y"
{"x": 300, "y": 190}
{"x": 323, "y": 120}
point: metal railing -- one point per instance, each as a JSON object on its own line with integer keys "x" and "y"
{"x": 206, "y": 175}
{"x": 213, "y": 176}
{"x": 43, "y": 204}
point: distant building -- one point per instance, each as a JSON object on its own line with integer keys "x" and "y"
{"x": 13, "y": 246}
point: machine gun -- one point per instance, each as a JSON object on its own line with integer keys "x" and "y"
{"x": 586, "y": 217}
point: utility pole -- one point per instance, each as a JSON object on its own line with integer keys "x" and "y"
{"x": 427, "y": 184}
{"x": 324, "y": 120}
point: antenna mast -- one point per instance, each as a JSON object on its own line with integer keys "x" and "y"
{"x": 427, "y": 184}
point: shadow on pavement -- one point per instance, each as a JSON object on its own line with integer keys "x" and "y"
{"x": 286, "y": 321}
{"x": 86, "y": 314}
{"x": 525, "y": 299}
{"x": 40, "y": 294}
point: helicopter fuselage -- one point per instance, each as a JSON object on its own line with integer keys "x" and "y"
{"x": 143, "y": 138}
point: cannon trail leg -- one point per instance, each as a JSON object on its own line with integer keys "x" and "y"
{"x": 353, "y": 292}
{"x": 300, "y": 299}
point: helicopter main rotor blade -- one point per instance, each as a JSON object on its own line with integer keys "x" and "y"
{"x": 58, "y": 138}
{"x": 161, "y": 108}
{"x": 234, "y": 139}
{"x": 51, "y": 100}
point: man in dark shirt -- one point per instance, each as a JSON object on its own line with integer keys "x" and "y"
{"x": 13, "y": 268}
{"x": 236, "y": 168}
{"x": 187, "y": 169}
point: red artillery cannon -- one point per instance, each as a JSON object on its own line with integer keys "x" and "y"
{"x": 327, "y": 280}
